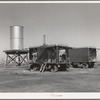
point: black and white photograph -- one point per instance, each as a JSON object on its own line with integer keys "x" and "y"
{"x": 50, "y": 48}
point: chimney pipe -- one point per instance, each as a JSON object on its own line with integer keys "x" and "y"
{"x": 44, "y": 40}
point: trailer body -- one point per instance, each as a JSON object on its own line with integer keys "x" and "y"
{"x": 79, "y": 56}
{"x": 51, "y": 55}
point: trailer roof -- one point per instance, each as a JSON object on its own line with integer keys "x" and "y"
{"x": 50, "y": 46}
{"x": 84, "y": 47}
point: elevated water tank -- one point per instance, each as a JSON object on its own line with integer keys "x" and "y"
{"x": 16, "y": 37}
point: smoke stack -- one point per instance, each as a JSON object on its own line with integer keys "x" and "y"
{"x": 44, "y": 40}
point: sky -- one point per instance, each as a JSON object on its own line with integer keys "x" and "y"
{"x": 77, "y": 25}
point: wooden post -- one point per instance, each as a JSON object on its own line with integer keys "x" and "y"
{"x": 19, "y": 60}
{"x": 57, "y": 54}
{"x": 6, "y": 59}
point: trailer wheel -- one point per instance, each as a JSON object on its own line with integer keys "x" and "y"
{"x": 85, "y": 65}
{"x": 35, "y": 68}
{"x": 31, "y": 66}
{"x": 54, "y": 68}
{"x": 92, "y": 64}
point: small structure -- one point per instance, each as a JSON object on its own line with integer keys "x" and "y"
{"x": 49, "y": 57}
{"x": 83, "y": 57}
{"x": 17, "y": 53}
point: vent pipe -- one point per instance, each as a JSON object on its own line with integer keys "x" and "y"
{"x": 44, "y": 40}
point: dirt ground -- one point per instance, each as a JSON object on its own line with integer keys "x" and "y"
{"x": 75, "y": 80}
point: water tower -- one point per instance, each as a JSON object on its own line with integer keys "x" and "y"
{"x": 17, "y": 53}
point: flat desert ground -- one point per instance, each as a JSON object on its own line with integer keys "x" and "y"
{"x": 74, "y": 80}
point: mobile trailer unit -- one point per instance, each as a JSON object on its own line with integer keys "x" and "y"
{"x": 83, "y": 57}
{"x": 54, "y": 56}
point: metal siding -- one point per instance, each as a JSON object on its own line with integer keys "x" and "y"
{"x": 41, "y": 55}
{"x": 16, "y": 37}
{"x": 78, "y": 55}
{"x": 16, "y": 44}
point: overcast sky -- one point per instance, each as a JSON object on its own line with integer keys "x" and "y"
{"x": 77, "y": 25}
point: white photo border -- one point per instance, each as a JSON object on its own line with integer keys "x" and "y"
{"x": 59, "y": 95}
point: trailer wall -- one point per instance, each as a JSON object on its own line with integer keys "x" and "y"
{"x": 82, "y": 55}
{"x": 42, "y": 55}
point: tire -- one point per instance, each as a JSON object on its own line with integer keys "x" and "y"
{"x": 48, "y": 67}
{"x": 31, "y": 66}
{"x": 85, "y": 65}
{"x": 54, "y": 68}
{"x": 35, "y": 68}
